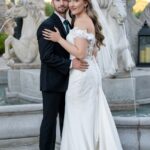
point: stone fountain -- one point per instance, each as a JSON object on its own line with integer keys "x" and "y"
{"x": 20, "y": 121}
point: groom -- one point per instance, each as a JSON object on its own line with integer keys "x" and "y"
{"x": 55, "y": 66}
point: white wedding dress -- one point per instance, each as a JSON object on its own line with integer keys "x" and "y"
{"x": 88, "y": 123}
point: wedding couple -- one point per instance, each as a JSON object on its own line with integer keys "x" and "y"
{"x": 71, "y": 80}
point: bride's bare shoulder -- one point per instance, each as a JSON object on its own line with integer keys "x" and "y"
{"x": 80, "y": 23}
{"x": 85, "y": 24}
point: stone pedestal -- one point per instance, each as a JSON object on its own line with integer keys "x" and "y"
{"x": 130, "y": 89}
{"x": 119, "y": 90}
{"x": 25, "y": 84}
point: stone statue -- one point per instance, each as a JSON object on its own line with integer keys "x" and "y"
{"x": 9, "y": 24}
{"x": 146, "y": 15}
{"x": 115, "y": 14}
{"x": 24, "y": 50}
{"x": 133, "y": 25}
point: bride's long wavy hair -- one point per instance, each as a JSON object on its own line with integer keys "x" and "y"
{"x": 98, "y": 28}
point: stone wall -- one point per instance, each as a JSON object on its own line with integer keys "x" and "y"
{"x": 2, "y": 11}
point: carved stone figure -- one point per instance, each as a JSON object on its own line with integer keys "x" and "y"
{"x": 9, "y": 24}
{"x": 133, "y": 25}
{"x": 25, "y": 49}
{"x": 115, "y": 14}
{"x": 146, "y": 15}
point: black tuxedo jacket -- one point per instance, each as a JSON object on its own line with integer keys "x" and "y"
{"x": 55, "y": 62}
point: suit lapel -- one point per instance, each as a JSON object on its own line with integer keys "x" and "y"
{"x": 59, "y": 24}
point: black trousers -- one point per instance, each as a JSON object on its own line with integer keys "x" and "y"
{"x": 53, "y": 104}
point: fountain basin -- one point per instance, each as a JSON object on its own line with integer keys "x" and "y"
{"x": 25, "y": 84}
{"x": 128, "y": 88}
{"x": 20, "y": 124}
{"x": 19, "y": 121}
{"x": 134, "y": 132}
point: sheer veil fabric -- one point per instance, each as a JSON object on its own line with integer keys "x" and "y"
{"x": 104, "y": 57}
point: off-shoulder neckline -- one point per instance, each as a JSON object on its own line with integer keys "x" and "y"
{"x": 85, "y": 30}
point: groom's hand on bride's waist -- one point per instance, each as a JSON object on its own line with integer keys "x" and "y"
{"x": 78, "y": 64}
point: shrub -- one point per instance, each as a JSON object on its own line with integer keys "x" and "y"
{"x": 48, "y": 9}
{"x": 3, "y": 36}
{"x": 137, "y": 14}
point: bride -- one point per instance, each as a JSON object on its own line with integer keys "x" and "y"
{"x": 88, "y": 123}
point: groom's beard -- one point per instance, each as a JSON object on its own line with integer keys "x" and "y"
{"x": 62, "y": 10}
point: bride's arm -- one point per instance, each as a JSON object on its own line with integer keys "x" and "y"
{"x": 78, "y": 49}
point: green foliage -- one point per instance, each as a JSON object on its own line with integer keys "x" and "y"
{"x": 137, "y": 14}
{"x": 3, "y": 36}
{"x": 48, "y": 9}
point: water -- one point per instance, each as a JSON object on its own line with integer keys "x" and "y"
{"x": 141, "y": 111}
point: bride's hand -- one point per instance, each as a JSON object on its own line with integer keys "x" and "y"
{"x": 52, "y": 35}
